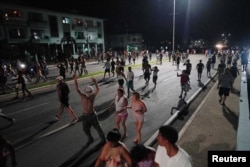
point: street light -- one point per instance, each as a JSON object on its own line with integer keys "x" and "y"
{"x": 173, "y": 25}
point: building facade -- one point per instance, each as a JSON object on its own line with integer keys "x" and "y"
{"x": 57, "y": 33}
{"x": 128, "y": 42}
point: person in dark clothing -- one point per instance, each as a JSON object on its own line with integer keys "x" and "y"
{"x": 235, "y": 72}
{"x": 188, "y": 66}
{"x": 244, "y": 60}
{"x": 63, "y": 95}
{"x": 5, "y": 148}
{"x": 199, "y": 67}
{"x": 62, "y": 70}
{"x": 21, "y": 83}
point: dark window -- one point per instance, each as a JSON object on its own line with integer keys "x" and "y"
{"x": 78, "y": 22}
{"x": 79, "y": 35}
{"x": 53, "y": 26}
{"x": 35, "y": 17}
{"x": 89, "y": 23}
{"x": 17, "y": 33}
{"x": 99, "y": 24}
{"x": 99, "y": 35}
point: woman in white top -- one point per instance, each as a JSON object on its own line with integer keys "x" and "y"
{"x": 139, "y": 108}
{"x": 121, "y": 77}
{"x": 121, "y": 112}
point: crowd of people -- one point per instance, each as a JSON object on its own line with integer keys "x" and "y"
{"x": 114, "y": 151}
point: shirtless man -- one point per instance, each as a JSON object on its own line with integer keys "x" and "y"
{"x": 89, "y": 115}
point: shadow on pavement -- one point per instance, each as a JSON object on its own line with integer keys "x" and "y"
{"x": 231, "y": 117}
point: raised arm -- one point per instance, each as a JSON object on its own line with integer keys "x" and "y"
{"x": 96, "y": 86}
{"x": 76, "y": 84}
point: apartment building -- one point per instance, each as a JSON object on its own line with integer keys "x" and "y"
{"x": 57, "y": 33}
{"x": 129, "y": 42}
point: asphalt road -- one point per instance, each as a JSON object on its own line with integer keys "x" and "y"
{"x": 41, "y": 141}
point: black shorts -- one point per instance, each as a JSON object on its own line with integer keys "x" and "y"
{"x": 224, "y": 91}
{"x": 65, "y": 101}
{"x": 155, "y": 78}
{"x": 121, "y": 82}
{"x": 107, "y": 70}
{"x": 146, "y": 75}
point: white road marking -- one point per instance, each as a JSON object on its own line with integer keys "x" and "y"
{"x": 28, "y": 109}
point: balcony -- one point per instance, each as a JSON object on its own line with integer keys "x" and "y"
{"x": 14, "y": 21}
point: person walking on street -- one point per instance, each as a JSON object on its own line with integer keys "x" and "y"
{"x": 178, "y": 59}
{"x": 147, "y": 72}
{"x": 39, "y": 73}
{"x": 221, "y": 68}
{"x": 21, "y": 83}
{"x": 224, "y": 85}
{"x": 114, "y": 153}
{"x": 188, "y": 66}
{"x": 121, "y": 77}
{"x": 208, "y": 66}
{"x": 62, "y": 70}
{"x": 168, "y": 153}
{"x": 130, "y": 78}
{"x": 155, "y": 76}
{"x": 213, "y": 60}
{"x": 63, "y": 95}
{"x": 235, "y": 72}
{"x": 184, "y": 82}
{"x": 139, "y": 108}
{"x": 121, "y": 113}
{"x": 244, "y": 60}
{"x": 200, "y": 67}
{"x": 107, "y": 66}
{"x": 112, "y": 67}
{"x": 83, "y": 67}
{"x": 89, "y": 114}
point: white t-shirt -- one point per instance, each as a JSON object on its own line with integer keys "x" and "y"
{"x": 181, "y": 159}
{"x": 130, "y": 75}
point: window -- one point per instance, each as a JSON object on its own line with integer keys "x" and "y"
{"x": 99, "y": 24}
{"x": 17, "y": 33}
{"x": 35, "y": 17}
{"x": 65, "y": 20}
{"x": 37, "y": 34}
{"x": 53, "y": 26}
{"x": 89, "y": 23}
{"x": 78, "y": 22}
{"x": 79, "y": 35}
{"x": 12, "y": 14}
{"x": 133, "y": 39}
{"x": 99, "y": 35}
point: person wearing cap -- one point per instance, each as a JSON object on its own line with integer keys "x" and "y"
{"x": 168, "y": 153}
{"x": 63, "y": 95}
{"x": 89, "y": 115}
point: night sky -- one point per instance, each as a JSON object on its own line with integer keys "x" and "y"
{"x": 195, "y": 19}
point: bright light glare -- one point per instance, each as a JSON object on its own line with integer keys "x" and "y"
{"x": 219, "y": 46}
{"x": 22, "y": 65}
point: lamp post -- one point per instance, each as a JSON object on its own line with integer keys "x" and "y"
{"x": 173, "y": 25}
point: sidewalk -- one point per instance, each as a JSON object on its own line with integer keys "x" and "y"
{"x": 212, "y": 126}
